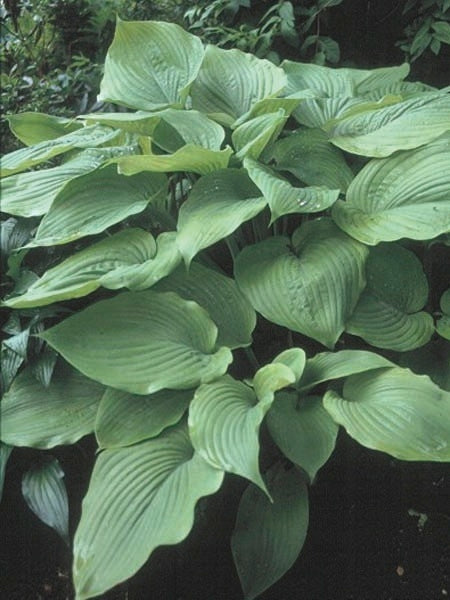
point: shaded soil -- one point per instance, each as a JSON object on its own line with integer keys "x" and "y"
{"x": 365, "y": 542}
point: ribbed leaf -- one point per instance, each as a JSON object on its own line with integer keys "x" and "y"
{"x": 334, "y": 365}
{"x": 230, "y": 82}
{"x": 45, "y": 493}
{"x": 139, "y": 498}
{"x": 388, "y": 312}
{"x": 318, "y": 112}
{"x": 443, "y": 323}
{"x": 283, "y": 198}
{"x": 189, "y": 158}
{"x": 43, "y": 417}
{"x": 91, "y": 203}
{"x": 24, "y": 158}
{"x": 250, "y": 138}
{"x": 144, "y": 275}
{"x": 150, "y": 65}
{"x": 344, "y": 82}
{"x": 217, "y": 205}
{"x": 303, "y": 430}
{"x": 312, "y": 291}
{"x": 31, "y": 194}
{"x": 309, "y": 156}
{"x": 82, "y": 273}
{"x": 295, "y": 359}
{"x": 141, "y": 342}
{"x": 271, "y": 105}
{"x": 220, "y": 297}
{"x": 395, "y": 411}
{"x": 5, "y": 451}
{"x": 406, "y": 195}
{"x": 124, "y": 419}
{"x": 268, "y": 537}
{"x": 402, "y": 126}
{"x": 34, "y": 127}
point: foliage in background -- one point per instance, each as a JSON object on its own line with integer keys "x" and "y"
{"x": 214, "y": 282}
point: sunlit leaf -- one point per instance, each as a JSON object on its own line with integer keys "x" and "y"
{"x": 34, "y": 127}
{"x": 141, "y": 342}
{"x": 250, "y": 138}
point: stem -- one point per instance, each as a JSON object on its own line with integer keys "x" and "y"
{"x": 232, "y": 247}
{"x": 252, "y": 358}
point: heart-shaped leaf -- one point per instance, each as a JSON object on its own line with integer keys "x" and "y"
{"x": 388, "y": 312}
{"x": 139, "y": 498}
{"x": 312, "y": 291}
{"x": 141, "y": 342}
{"x": 395, "y": 411}
{"x": 268, "y": 536}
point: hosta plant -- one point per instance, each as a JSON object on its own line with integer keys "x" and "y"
{"x": 247, "y": 260}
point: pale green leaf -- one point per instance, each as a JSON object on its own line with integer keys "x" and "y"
{"x": 388, "y": 313}
{"x": 43, "y": 417}
{"x": 395, "y": 411}
{"x": 189, "y": 158}
{"x": 283, "y": 198}
{"x": 309, "y": 156}
{"x": 295, "y": 359}
{"x": 231, "y": 81}
{"x": 271, "y": 105}
{"x": 34, "y": 127}
{"x": 224, "y": 421}
{"x": 217, "y": 205}
{"x": 45, "y": 493}
{"x": 406, "y": 195}
{"x": 82, "y": 273}
{"x": 402, "y": 126}
{"x": 145, "y": 272}
{"x": 271, "y": 378}
{"x": 334, "y": 365}
{"x": 150, "y": 65}
{"x": 250, "y": 138}
{"x": 139, "y": 498}
{"x": 220, "y": 297}
{"x": 141, "y": 342}
{"x": 93, "y": 202}
{"x": 124, "y": 419}
{"x": 5, "y": 452}
{"x": 312, "y": 289}
{"x": 303, "y": 430}
{"x": 443, "y": 323}
{"x": 318, "y": 112}
{"x": 24, "y": 158}
{"x": 268, "y": 536}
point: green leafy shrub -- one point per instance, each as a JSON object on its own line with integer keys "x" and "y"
{"x": 428, "y": 27}
{"x": 249, "y": 251}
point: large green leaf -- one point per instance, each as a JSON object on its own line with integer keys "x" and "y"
{"x": 24, "y": 158}
{"x": 142, "y": 342}
{"x": 190, "y": 158}
{"x": 139, "y": 498}
{"x": 150, "y": 65}
{"x": 5, "y": 452}
{"x": 334, "y": 365}
{"x": 312, "y": 289}
{"x": 328, "y": 82}
{"x": 388, "y": 313}
{"x": 303, "y": 430}
{"x": 406, "y": 195}
{"x": 45, "y": 493}
{"x": 318, "y": 112}
{"x": 402, "y": 126}
{"x": 124, "y": 419}
{"x": 230, "y": 82}
{"x": 309, "y": 156}
{"x": 220, "y": 297}
{"x": 143, "y": 274}
{"x": 271, "y": 105}
{"x": 224, "y": 420}
{"x": 42, "y": 417}
{"x": 282, "y": 197}
{"x": 217, "y": 205}
{"x": 395, "y": 411}
{"x": 443, "y": 323}
{"x": 250, "y": 138}
{"x": 34, "y": 127}
{"x": 31, "y": 194}
{"x": 268, "y": 536}
{"x": 82, "y": 273}
{"x": 93, "y": 202}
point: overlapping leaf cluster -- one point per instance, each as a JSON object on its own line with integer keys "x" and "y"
{"x": 327, "y": 186}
